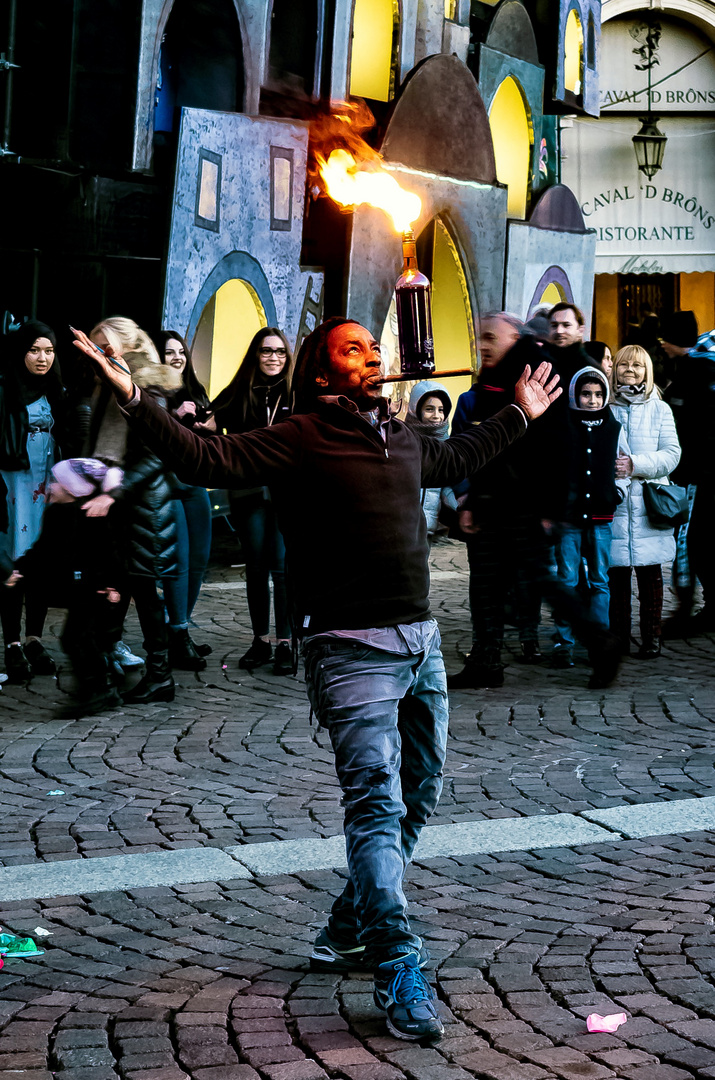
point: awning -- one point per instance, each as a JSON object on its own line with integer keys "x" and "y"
{"x": 662, "y": 226}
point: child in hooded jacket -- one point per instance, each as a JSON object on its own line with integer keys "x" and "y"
{"x": 428, "y": 414}
{"x": 588, "y": 495}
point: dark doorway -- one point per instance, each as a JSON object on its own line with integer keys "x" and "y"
{"x": 644, "y": 297}
{"x": 201, "y": 62}
{"x": 294, "y": 57}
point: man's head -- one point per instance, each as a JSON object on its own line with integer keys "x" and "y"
{"x": 499, "y": 331}
{"x": 339, "y": 357}
{"x": 567, "y": 325}
{"x": 679, "y": 334}
{"x": 590, "y": 396}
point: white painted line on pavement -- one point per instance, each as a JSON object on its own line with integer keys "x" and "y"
{"x": 39, "y": 880}
{"x": 658, "y": 819}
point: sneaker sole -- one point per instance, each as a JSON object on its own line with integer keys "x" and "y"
{"x": 430, "y": 1036}
{"x": 322, "y": 965}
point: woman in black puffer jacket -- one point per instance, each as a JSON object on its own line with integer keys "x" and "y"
{"x": 142, "y": 507}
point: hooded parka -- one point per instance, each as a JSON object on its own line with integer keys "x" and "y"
{"x": 649, "y": 429}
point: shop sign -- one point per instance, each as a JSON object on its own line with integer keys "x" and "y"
{"x": 681, "y": 64}
{"x": 666, "y": 225}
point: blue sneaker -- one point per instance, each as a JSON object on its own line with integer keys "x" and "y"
{"x": 402, "y": 991}
{"x": 329, "y": 955}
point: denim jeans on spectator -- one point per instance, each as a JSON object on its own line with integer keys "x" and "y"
{"x": 592, "y": 543}
{"x": 264, "y": 551}
{"x": 192, "y": 511}
{"x": 387, "y": 717}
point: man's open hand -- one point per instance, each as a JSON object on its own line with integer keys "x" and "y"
{"x": 110, "y": 366}
{"x": 534, "y": 393}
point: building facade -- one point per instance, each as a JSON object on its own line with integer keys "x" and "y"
{"x": 655, "y": 236}
{"x": 157, "y": 159}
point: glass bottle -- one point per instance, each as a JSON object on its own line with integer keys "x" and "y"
{"x": 414, "y": 314}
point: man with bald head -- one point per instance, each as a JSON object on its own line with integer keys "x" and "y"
{"x": 496, "y": 516}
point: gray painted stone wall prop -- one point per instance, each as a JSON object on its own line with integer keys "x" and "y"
{"x": 252, "y": 18}
{"x": 533, "y": 250}
{"x": 494, "y": 67}
{"x": 473, "y": 212}
{"x": 557, "y": 209}
{"x": 512, "y": 32}
{"x": 245, "y": 246}
{"x": 440, "y": 125}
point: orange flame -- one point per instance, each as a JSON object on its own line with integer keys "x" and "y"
{"x": 351, "y": 185}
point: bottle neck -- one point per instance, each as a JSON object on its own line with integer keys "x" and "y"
{"x": 409, "y": 255}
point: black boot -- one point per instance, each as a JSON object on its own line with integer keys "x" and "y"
{"x": 475, "y": 676}
{"x": 649, "y": 650}
{"x": 201, "y": 647}
{"x": 16, "y": 665}
{"x": 260, "y": 652}
{"x": 157, "y": 684}
{"x": 39, "y": 659}
{"x": 182, "y": 652}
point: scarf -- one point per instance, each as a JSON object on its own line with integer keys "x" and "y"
{"x": 433, "y": 431}
{"x": 111, "y": 444}
{"x": 630, "y": 395}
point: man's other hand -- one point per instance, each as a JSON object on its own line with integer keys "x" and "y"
{"x": 111, "y": 367}
{"x": 534, "y": 393}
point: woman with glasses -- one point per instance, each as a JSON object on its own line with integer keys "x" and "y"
{"x": 258, "y": 396}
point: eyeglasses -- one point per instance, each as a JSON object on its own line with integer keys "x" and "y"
{"x": 266, "y": 354}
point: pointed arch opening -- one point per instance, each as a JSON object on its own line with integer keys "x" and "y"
{"x": 200, "y": 63}
{"x": 227, "y": 324}
{"x": 374, "y": 55}
{"x": 573, "y": 54}
{"x": 453, "y": 317}
{"x": 512, "y": 135}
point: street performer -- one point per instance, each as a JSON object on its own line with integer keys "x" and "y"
{"x": 345, "y": 477}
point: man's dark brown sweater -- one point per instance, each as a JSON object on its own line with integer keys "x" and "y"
{"x": 348, "y": 502}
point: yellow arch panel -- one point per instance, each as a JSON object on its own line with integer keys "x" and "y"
{"x": 371, "y": 66}
{"x": 573, "y": 53}
{"x": 238, "y": 314}
{"x": 551, "y": 295}
{"x": 512, "y": 139}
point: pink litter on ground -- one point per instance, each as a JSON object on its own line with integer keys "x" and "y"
{"x": 611, "y": 1023}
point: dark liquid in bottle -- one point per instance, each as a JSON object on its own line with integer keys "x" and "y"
{"x": 414, "y": 320}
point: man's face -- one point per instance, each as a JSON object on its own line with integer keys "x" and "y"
{"x": 590, "y": 397}
{"x": 495, "y": 340}
{"x": 674, "y": 351}
{"x": 565, "y": 329}
{"x": 355, "y": 365}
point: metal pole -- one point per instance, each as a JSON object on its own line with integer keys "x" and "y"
{"x": 9, "y": 65}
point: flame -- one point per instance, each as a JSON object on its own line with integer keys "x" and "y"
{"x": 351, "y": 184}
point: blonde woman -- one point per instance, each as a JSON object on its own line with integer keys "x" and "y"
{"x": 649, "y": 429}
{"x": 142, "y": 507}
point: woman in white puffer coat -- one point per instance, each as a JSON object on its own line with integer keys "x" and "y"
{"x": 649, "y": 430}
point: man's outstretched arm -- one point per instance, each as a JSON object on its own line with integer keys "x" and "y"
{"x": 231, "y": 461}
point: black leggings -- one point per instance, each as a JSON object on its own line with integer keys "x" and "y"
{"x": 11, "y": 603}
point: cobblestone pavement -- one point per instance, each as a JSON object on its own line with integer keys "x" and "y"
{"x": 210, "y": 980}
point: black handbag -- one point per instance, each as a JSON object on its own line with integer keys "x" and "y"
{"x": 666, "y": 505}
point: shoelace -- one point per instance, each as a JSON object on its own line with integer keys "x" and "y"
{"x": 409, "y": 984}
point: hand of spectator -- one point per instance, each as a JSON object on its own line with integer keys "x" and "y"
{"x": 624, "y": 467}
{"x": 187, "y": 408}
{"x": 99, "y": 506}
{"x": 112, "y": 595}
{"x": 534, "y": 393}
{"x": 209, "y": 425}
{"x": 110, "y": 366}
{"x": 57, "y": 494}
{"x": 15, "y": 576}
{"x": 467, "y": 524}
{"x": 547, "y": 525}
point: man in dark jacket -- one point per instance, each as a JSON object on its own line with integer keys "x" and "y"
{"x": 691, "y": 396}
{"x": 496, "y": 515}
{"x": 346, "y": 477}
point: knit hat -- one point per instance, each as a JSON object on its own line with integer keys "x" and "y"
{"x": 680, "y": 329}
{"x": 82, "y": 477}
{"x": 538, "y": 327}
